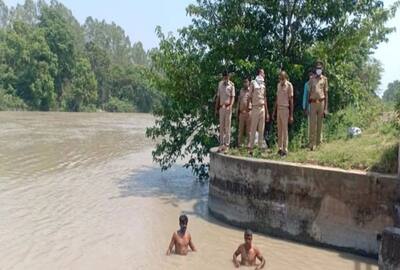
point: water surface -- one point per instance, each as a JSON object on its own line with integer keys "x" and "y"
{"x": 80, "y": 191}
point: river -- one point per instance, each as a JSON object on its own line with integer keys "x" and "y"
{"x": 80, "y": 191}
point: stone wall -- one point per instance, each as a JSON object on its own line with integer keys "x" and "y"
{"x": 321, "y": 206}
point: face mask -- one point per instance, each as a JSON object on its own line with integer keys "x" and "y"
{"x": 260, "y": 78}
{"x": 319, "y": 72}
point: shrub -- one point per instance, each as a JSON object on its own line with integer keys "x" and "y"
{"x": 117, "y": 105}
{"x": 11, "y": 103}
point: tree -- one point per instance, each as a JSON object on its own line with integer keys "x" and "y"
{"x": 29, "y": 66}
{"x": 3, "y": 14}
{"x": 392, "y": 92}
{"x": 27, "y": 13}
{"x": 111, "y": 38}
{"x": 83, "y": 89}
{"x": 139, "y": 55}
{"x": 49, "y": 61}
{"x": 101, "y": 65}
{"x": 243, "y": 35}
{"x": 63, "y": 39}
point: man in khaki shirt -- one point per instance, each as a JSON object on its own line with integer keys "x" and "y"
{"x": 244, "y": 112}
{"x": 318, "y": 99}
{"x": 224, "y": 105}
{"x": 284, "y": 111}
{"x": 259, "y": 109}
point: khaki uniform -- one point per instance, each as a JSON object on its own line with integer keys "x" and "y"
{"x": 226, "y": 92}
{"x": 284, "y": 94}
{"x": 244, "y": 115}
{"x": 257, "y": 97}
{"x": 318, "y": 87}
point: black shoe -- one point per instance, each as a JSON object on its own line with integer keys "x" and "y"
{"x": 284, "y": 154}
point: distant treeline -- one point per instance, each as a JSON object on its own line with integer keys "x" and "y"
{"x": 48, "y": 61}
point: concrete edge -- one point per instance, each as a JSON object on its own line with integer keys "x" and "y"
{"x": 309, "y": 166}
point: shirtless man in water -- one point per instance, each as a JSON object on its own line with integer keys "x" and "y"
{"x": 181, "y": 239}
{"x": 249, "y": 253}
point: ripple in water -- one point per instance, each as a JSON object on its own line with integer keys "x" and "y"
{"x": 79, "y": 191}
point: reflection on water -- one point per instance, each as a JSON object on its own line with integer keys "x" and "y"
{"x": 79, "y": 191}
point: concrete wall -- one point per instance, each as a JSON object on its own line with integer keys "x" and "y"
{"x": 389, "y": 255}
{"x": 321, "y": 206}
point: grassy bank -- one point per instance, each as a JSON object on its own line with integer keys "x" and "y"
{"x": 375, "y": 150}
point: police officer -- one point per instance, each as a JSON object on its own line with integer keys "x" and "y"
{"x": 259, "y": 111}
{"x": 306, "y": 104}
{"x": 244, "y": 112}
{"x": 284, "y": 111}
{"x": 224, "y": 105}
{"x": 318, "y": 100}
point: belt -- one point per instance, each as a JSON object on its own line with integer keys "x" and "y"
{"x": 224, "y": 106}
{"x": 320, "y": 100}
{"x": 245, "y": 111}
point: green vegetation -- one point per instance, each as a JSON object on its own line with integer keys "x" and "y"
{"x": 392, "y": 99}
{"x": 243, "y": 35}
{"x": 392, "y": 93}
{"x": 8, "y": 101}
{"x": 48, "y": 61}
{"x": 375, "y": 150}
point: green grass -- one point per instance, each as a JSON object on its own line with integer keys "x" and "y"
{"x": 375, "y": 150}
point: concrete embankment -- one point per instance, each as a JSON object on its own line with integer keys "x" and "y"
{"x": 346, "y": 210}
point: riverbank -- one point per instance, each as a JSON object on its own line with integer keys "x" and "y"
{"x": 376, "y": 150}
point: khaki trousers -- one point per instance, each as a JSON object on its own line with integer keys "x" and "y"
{"x": 257, "y": 125}
{"x": 316, "y": 121}
{"x": 225, "y": 118}
{"x": 244, "y": 126}
{"x": 283, "y": 121}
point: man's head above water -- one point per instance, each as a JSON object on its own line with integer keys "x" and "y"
{"x": 183, "y": 221}
{"x": 248, "y": 237}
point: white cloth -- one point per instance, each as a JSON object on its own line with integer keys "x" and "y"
{"x": 258, "y": 82}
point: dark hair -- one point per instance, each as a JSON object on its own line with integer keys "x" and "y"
{"x": 225, "y": 73}
{"x": 259, "y": 71}
{"x": 311, "y": 72}
{"x": 183, "y": 219}
{"x": 247, "y": 78}
{"x": 248, "y": 232}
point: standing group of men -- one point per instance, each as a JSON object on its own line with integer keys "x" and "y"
{"x": 253, "y": 111}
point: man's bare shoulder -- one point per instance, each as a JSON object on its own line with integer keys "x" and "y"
{"x": 240, "y": 247}
{"x": 257, "y": 250}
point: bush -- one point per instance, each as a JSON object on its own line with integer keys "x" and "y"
{"x": 117, "y": 105}
{"x": 11, "y": 103}
{"x": 336, "y": 125}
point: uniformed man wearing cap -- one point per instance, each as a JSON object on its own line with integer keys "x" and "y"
{"x": 224, "y": 105}
{"x": 284, "y": 111}
{"x": 259, "y": 109}
{"x": 244, "y": 112}
{"x": 318, "y": 100}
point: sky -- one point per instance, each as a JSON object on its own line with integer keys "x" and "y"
{"x": 139, "y": 19}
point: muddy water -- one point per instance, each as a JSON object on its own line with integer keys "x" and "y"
{"x": 79, "y": 191}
